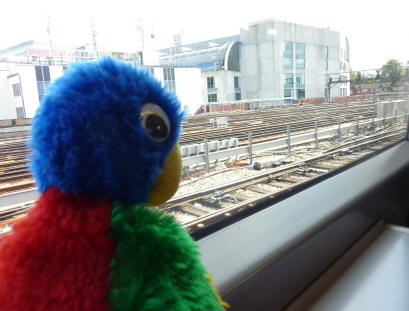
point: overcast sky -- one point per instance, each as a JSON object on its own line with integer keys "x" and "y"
{"x": 377, "y": 30}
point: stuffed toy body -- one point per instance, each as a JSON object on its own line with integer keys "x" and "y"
{"x": 103, "y": 151}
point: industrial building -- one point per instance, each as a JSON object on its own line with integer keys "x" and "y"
{"x": 219, "y": 62}
{"x": 27, "y": 69}
{"x": 269, "y": 59}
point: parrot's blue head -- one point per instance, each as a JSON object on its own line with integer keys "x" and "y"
{"x": 107, "y": 129}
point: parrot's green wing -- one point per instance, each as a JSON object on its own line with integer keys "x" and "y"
{"x": 156, "y": 264}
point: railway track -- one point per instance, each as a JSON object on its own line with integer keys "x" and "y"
{"x": 206, "y": 207}
{"x": 265, "y": 125}
{"x": 198, "y": 210}
{"x": 273, "y": 122}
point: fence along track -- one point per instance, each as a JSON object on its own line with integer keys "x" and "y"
{"x": 209, "y": 206}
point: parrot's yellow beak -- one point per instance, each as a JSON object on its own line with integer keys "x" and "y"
{"x": 167, "y": 182}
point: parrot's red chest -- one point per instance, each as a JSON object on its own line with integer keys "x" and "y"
{"x": 64, "y": 238}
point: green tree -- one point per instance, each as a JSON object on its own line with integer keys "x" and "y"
{"x": 392, "y": 71}
{"x": 407, "y": 72}
{"x": 353, "y": 76}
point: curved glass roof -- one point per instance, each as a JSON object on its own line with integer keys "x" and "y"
{"x": 207, "y": 59}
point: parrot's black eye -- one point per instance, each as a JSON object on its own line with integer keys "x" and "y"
{"x": 156, "y": 122}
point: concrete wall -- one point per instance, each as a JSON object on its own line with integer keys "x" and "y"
{"x": 29, "y": 99}
{"x": 262, "y": 65}
{"x": 56, "y": 72}
{"x": 188, "y": 88}
{"x": 389, "y": 109}
{"x": 224, "y": 83}
{"x": 7, "y": 108}
{"x": 29, "y": 89}
{"x": 158, "y": 73}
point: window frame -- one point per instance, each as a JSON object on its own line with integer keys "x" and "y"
{"x": 169, "y": 78}
{"x": 210, "y": 83}
{"x": 212, "y": 98}
{"x": 43, "y": 78}
{"x": 326, "y": 51}
{"x": 332, "y": 223}
{"x": 16, "y": 89}
{"x": 271, "y": 270}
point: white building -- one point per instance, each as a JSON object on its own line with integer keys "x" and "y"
{"x": 219, "y": 61}
{"x": 23, "y": 87}
{"x": 26, "y": 70}
{"x": 269, "y": 59}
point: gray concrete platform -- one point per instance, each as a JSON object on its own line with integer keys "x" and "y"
{"x": 15, "y": 129}
{"x": 18, "y": 197}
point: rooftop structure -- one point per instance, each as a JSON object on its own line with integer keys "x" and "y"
{"x": 217, "y": 54}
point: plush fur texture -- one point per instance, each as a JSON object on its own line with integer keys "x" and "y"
{"x": 89, "y": 148}
{"x": 58, "y": 257}
{"x": 87, "y": 136}
{"x": 156, "y": 264}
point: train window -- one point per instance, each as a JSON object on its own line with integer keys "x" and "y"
{"x": 299, "y": 108}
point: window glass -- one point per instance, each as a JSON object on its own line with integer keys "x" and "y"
{"x": 20, "y": 113}
{"x": 300, "y": 63}
{"x": 288, "y": 62}
{"x": 236, "y": 82}
{"x": 211, "y": 98}
{"x": 260, "y": 65}
{"x": 16, "y": 89}
{"x": 289, "y": 79}
{"x": 300, "y": 49}
{"x": 325, "y": 51}
{"x": 41, "y": 88}
{"x": 46, "y": 73}
{"x": 210, "y": 82}
{"x": 39, "y": 73}
{"x": 169, "y": 78}
{"x": 300, "y": 79}
{"x": 288, "y": 49}
{"x": 301, "y": 93}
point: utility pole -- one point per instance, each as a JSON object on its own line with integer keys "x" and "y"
{"x": 329, "y": 89}
{"x": 49, "y": 34}
{"x": 141, "y": 40}
{"x": 93, "y": 33}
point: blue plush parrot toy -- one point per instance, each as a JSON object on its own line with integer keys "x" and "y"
{"x": 103, "y": 151}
